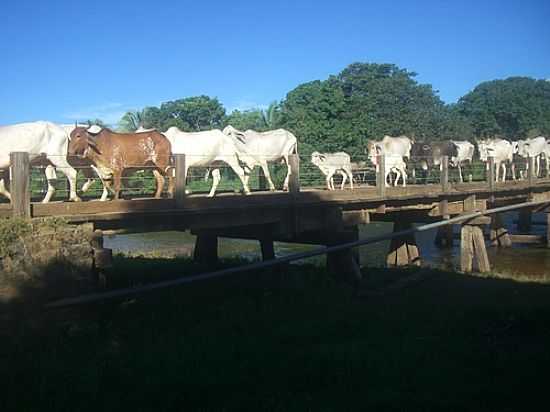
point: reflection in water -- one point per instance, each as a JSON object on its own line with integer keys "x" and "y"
{"x": 517, "y": 261}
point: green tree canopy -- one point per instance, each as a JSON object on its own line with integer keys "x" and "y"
{"x": 515, "y": 107}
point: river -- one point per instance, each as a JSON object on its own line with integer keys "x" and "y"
{"x": 531, "y": 261}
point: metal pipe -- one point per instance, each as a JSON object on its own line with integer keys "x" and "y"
{"x": 95, "y": 297}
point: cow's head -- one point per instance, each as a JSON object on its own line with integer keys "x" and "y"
{"x": 374, "y": 150}
{"x": 81, "y": 141}
{"x": 234, "y": 133}
{"x": 317, "y": 158}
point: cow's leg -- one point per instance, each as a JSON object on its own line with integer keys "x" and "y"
{"x": 404, "y": 176}
{"x": 87, "y": 185}
{"x": 397, "y": 176}
{"x": 386, "y": 178}
{"x": 350, "y": 175}
{"x": 117, "y": 183}
{"x": 160, "y": 183}
{"x": 216, "y": 177}
{"x": 50, "y": 177}
{"x": 513, "y": 167}
{"x": 460, "y": 178}
{"x": 62, "y": 165}
{"x": 265, "y": 168}
{"x": 329, "y": 180}
{"x": 288, "y": 172}
{"x": 503, "y": 172}
{"x": 344, "y": 178}
{"x": 233, "y": 162}
{"x": 3, "y": 190}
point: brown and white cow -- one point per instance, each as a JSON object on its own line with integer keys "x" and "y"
{"x": 113, "y": 154}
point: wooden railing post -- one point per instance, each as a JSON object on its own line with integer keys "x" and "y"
{"x": 491, "y": 175}
{"x": 381, "y": 175}
{"x": 20, "y": 184}
{"x": 181, "y": 176}
{"x": 531, "y": 171}
{"x": 444, "y": 177}
{"x": 294, "y": 179}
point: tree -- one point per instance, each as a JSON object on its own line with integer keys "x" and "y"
{"x": 193, "y": 113}
{"x": 247, "y": 119}
{"x": 131, "y": 121}
{"x": 515, "y": 107}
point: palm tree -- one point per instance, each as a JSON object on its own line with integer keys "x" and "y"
{"x": 270, "y": 116}
{"x": 131, "y": 121}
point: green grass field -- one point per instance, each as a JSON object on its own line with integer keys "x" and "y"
{"x": 294, "y": 342}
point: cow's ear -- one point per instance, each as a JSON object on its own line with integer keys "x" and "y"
{"x": 322, "y": 157}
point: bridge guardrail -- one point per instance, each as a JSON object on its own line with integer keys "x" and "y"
{"x": 29, "y": 181}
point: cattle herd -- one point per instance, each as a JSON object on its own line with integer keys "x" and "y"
{"x": 109, "y": 155}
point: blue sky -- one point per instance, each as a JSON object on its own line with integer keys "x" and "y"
{"x": 68, "y": 60}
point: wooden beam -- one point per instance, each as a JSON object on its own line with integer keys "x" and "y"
{"x": 403, "y": 250}
{"x": 499, "y": 234}
{"x": 294, "y": 179}
{"x": 528, "y": 239}
{"x": 381, "y": 176}
{"x": 480, "y": 251}
{"x": 20, "y": 184}
{"x": 181, "y": 177}
{"x": 466, "y": 249}
{"x": 444, "y": 177}
{"x": 206, "y": 249}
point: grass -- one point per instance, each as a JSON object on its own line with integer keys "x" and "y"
{"x": 304, "y": 342}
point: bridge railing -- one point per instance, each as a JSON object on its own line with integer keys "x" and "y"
{"x": 29, "y": 182}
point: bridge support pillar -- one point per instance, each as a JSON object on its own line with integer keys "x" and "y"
{"x": 268, "y": 249}
{"x": 499, "y": 234}
{"x": 345, "y": 264}
{"x": 524, "y": 220}
{"x": 403, "y": 250}
{"x": 473, "y": 253}
{"x": 444, "y": 236}
{"x": 206, "y": 248}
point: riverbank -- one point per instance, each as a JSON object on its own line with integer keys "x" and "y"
{"x": 303, "y": 342}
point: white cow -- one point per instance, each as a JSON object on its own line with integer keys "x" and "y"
{"x": 547, "y": 157}
{"x": 331, "y": 163}
{"x": 205, "y": 149}
{"x": 392, "y": 163}
{"x": 40, "y": 139}
{"x": 532, "y": 148}
{"x": 465, "y": 153}
{"x": 258, "y": 148}
{"x": 502, "y": 151}
{"x": 395, "y": 149}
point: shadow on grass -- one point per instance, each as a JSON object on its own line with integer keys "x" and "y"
{"x": 297, "y": 341}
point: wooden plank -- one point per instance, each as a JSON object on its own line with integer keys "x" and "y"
{"x": 480, "y": 251}
{"x": 268, "y": 248}
{"x": 381, "y": 176}
{"x": 444, "y": 177}
{"x": 527, "y": 239}
{"x": 548, "y": 228}
{"x": 294, "y": 179}
{"x": 499, "y": 234}
{"x": 20, "y": 184}
{"x": 491, "y": 173}
{"x": 206, "y": 249}
{"x": 466, "y": 249}
{"x": 181, "y": 177}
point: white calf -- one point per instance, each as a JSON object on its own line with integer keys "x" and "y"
{"x": 331, "y": 163}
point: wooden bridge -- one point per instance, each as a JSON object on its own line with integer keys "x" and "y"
{"x": 302, "y": 215}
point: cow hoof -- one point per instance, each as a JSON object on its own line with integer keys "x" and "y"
{"x": 272, "y": 189}
{"x": 75, "y": 199}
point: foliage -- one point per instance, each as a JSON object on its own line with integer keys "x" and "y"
{"x": 365, "y": 102}
{"x": 516, "y": 107}
{"x": 10, "y": 230}
{"x": 131, "y": 121}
